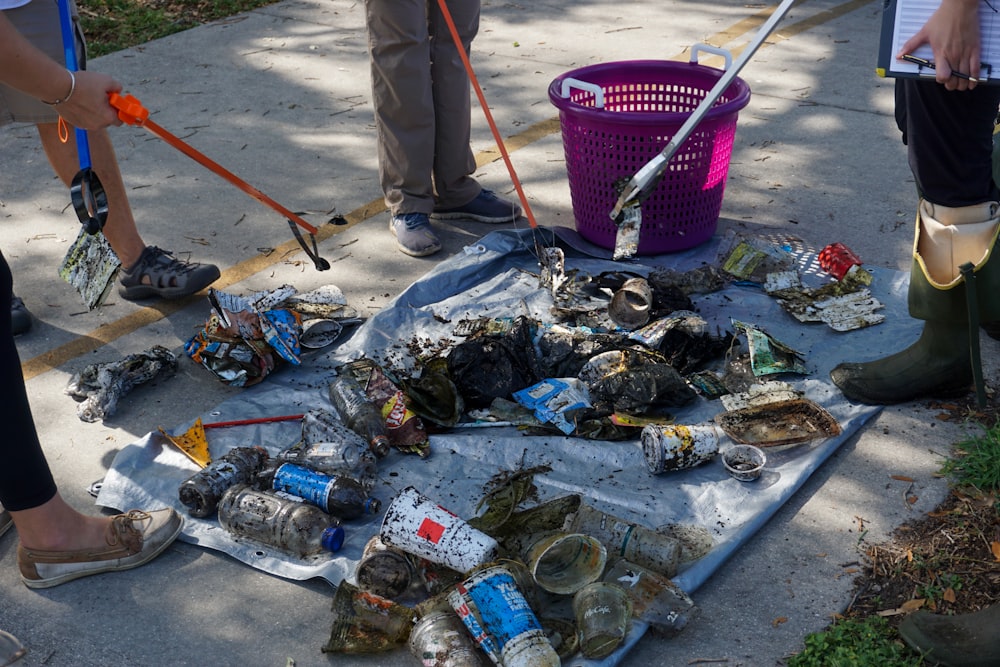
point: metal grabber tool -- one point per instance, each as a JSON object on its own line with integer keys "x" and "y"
{"x": 627, "y": 213}
{"x": 90, "y": 265}
{"x": 131, "y": 112}
{"x": 86, "y": 192}
{"x": 550, "y": 258}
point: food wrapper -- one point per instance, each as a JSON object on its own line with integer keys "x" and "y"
{"x": 555, "y": 401}
{"x": 404, "y": 428}
{"x": 244, "y": 338}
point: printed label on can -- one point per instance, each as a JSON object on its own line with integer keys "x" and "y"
{"x": 311, "y": 486}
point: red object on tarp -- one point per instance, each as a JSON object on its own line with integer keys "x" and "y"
{"x": 837, "y": 259}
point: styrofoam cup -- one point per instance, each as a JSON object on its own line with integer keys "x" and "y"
{"x": 417, "y": 525}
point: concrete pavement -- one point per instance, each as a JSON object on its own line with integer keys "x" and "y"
{"x": 281, "y": 97}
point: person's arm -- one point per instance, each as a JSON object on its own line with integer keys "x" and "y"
{"x": 953, "y": 34}
{"x": 81, "y": 97}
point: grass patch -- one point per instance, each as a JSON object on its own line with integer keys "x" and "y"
{"x": 944, "y": 562}
{"x": 868, "y": 642}
{"x": 113, "y": 25}
{"x": 976, "y": 461}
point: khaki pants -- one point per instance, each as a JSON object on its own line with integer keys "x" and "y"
{"x": 421, "y": 94}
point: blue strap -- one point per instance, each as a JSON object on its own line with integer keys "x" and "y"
{"x": 69, "y": 47}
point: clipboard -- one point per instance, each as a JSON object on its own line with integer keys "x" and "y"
{"x": 901, "y": 19}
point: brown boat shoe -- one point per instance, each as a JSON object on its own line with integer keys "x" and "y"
{"x": 133, "y": 539}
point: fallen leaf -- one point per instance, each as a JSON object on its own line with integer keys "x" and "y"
{"x": 995, "y": 548}
{"x": 913, "y": 605}
{"x": 901, "y": 478}
{"x": 948, "y": 595}
{"x": 778, "y": 621}
{"x": 909, "y": 555}
{"x": 912, "y": 499}
{"x": 851, "y": 570}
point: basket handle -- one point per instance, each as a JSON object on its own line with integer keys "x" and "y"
{"x": 711, "y": 49}
{"x": 590, "y": 87}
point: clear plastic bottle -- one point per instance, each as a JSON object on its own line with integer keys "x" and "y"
{"x": 642, "y": 546}
{"x": 360, "y": 414}
{"x": 286, "y": 524}
{"x": 656, "y": 600}
{"x": 348, "y": 455}
{"x": 202, "y": 491}
{"x": 340, "y": 496}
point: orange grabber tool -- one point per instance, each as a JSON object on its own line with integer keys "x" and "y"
{"x": 131, "y": 112}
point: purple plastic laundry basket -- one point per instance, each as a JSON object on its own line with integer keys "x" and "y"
{"x": 645, "y": 103}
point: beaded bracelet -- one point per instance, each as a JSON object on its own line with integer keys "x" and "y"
{"x": 72, "y": 89}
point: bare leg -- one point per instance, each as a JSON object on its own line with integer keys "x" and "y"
{"x": 120, "y": 229}
{"x": 55, "y": 526}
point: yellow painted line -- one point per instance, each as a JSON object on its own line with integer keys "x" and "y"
{"x": 108, "y": 333}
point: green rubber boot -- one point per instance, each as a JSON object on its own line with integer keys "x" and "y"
{"x": 945, "y": 359}
{"x": 963, "y": 640}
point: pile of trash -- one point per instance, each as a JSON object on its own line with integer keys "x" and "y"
{"x": 613, "y": 356}
{"x": 524, "y": 585}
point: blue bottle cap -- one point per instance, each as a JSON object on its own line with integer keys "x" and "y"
{"x": 333, "y": 538}
{"x": 372, "y": 506}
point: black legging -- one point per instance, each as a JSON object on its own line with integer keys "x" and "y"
{"x": 25, "y": 478}
{"x": 949, "y": 139}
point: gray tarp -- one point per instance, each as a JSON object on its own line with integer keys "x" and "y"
{"x": 495, "y": 280}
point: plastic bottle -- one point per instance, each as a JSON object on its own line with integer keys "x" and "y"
{"x": 202, "y": 491}
{"x": 656, "y": 600}
{"x": 340, "y": 496}
{"x": 347, "y": 456}
{"x": 642, "y": 546}
{"x": 360, "y": 414}
{"x": 286, "y": 524}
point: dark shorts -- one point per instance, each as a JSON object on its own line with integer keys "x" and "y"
{"x": 38, "y": 21}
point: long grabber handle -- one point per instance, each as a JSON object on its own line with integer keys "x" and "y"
{"x": 642, "y": 184}
{"x": 131, "y": 112}
{"x": 460, "y": 49}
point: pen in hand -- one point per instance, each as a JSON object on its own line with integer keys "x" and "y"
{"x": 923, "y": 62}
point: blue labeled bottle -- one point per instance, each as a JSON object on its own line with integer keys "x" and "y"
{"x": 340, "y": 496}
